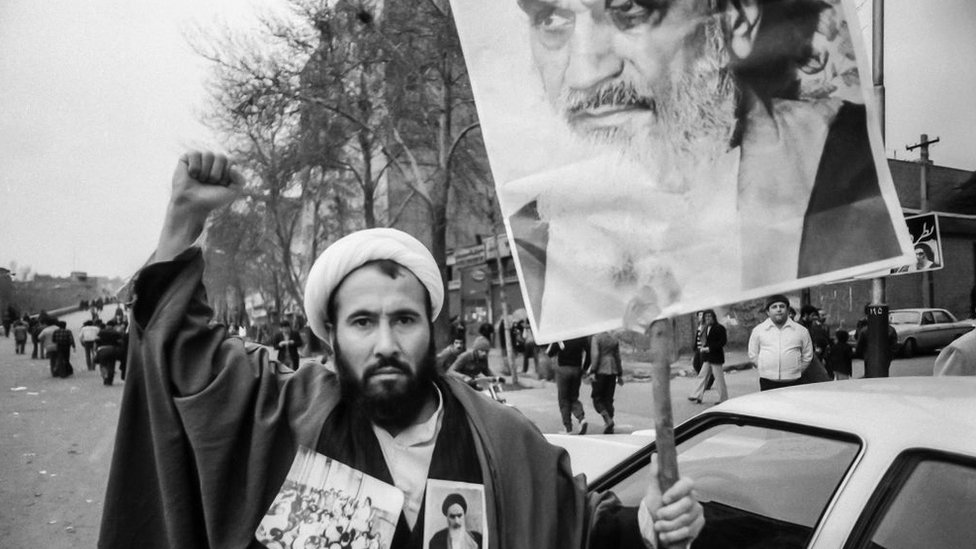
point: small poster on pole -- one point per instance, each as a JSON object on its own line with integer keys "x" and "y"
{"x": 927, "y": 243}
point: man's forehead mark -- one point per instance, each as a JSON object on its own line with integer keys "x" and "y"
{"x": 401, "y": 311}
{"x": 382, "y": 266}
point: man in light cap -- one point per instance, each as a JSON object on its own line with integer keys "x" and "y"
{"x": 473, "y": 362}
{"x": 210, "y": 425}
{"x": 780, "y": 348}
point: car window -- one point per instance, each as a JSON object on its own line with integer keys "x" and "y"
{"x": 927, "y": 318}
{"x": 926, "y": 500}
{"x": 903, "y": 317}
{"x": 760, "y": 485}
{"x": 941, "y": 317}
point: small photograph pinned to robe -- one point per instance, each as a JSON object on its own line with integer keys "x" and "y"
{"x": 325, "y": 503}
{"x": 454, "y": 516}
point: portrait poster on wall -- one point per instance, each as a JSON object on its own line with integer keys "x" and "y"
{"x": 656, "y": 158}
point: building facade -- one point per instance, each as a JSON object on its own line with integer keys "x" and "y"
{"x": 475, "y": 290}
{"x": 951, "y": 196}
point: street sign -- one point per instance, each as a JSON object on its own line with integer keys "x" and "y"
{"x": 254, "y": 306}
{"x": 469, "y": 255}
{"x": 502, "y": 245}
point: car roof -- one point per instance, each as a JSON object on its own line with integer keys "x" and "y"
{"x": 594, "y": 455}
{"x": 901, "y": 412}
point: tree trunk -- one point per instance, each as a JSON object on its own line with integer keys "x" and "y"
{"x": 369, "y": 186}
{"x": 438, "y": 248}
{"x": 439, "y": 196}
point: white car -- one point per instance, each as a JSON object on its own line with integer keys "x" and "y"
{"x": 875, "y": 463}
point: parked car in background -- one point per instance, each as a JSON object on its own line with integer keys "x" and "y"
{"x": 925, "y": 329}
{"x": 850, "y": 464}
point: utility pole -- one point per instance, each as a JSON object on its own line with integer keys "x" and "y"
{"x": 928, "y": 288}
{"x": 877, "y": 354}
{"x": 506, "y": 321}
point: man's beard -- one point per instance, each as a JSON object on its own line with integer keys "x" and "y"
{"x": 694, "y": 113}
{"x": 390, "y": 404}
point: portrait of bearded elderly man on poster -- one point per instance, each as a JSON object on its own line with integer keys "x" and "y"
{"x": 654, "y": 157}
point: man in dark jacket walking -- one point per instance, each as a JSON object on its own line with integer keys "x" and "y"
{"x": 64, "y": 342}
{"x": 287, "y": 342}
{"x": 572, "y": 359}
{"x": 607, "y": 373}
{"x": 714, "y": 338}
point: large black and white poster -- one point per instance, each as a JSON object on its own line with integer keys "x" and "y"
{"x": 654, "y": 157}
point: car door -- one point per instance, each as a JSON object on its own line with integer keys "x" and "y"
{"x": 928, "y": 331}
{"x": 924, "y": 500}
{"x": 950, "y": 327}
{"x": 761, "y": 483}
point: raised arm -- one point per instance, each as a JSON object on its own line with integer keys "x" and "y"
{"x": 202, "y": 182}
{"x": 201, "y": 411}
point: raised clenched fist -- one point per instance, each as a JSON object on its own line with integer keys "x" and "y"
{"x": 203, "y": 182}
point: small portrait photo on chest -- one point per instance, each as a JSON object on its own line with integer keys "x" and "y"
{"x": 454, "y": 516}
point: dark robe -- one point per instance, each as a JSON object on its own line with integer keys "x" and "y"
{"x": 209, "y": 427}
{"x": 440, "y": 539}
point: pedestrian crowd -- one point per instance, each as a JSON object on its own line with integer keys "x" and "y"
{"x": 104, "y": 344}
{"x": 785, "y": 351}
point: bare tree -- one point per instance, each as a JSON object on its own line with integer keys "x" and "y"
{"x": 333, "y": 102}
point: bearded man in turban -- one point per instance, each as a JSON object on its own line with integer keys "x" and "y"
{"x": 210, "y": 425}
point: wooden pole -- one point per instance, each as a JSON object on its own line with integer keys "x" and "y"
{"x": 662, "y": 356}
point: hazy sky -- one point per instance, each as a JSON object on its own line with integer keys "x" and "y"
{"x": 100, "y": 97}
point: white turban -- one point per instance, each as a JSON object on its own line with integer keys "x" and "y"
{"x": 353, "y": 251}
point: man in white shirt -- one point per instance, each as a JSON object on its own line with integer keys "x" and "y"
{"x": 44, "y": 338}
{"x": 779, "y": 347}
{"x": 88, "y": 335}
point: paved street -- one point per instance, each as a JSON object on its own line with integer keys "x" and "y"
{"x": 57, "y": 439}
{"x": 634, "y": 407}
{"x": 58, "y": 434}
